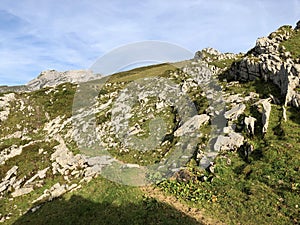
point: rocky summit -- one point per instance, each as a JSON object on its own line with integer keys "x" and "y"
{"x": 219, "y": 132}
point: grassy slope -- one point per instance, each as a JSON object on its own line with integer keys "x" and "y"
{"x": 104, "y": 202}
{"x": 263, "y": 189}
{"x": 100, "y": 201}
{"x": 292, "y": 44}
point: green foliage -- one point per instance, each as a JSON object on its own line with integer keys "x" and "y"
{"x": 224, "y": 63}
{"x": 261, "y": 189}
{"x": 56, "y": 102}
{"x": 293, "y": 44}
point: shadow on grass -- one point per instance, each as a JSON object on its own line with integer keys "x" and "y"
{"x": 294, "y": 114}
{"x": 78, "y": 210}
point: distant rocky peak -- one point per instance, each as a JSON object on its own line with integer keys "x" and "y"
{"x": 51, "y": 78}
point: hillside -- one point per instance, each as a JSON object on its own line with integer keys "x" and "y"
{"x": 226, "y": 125}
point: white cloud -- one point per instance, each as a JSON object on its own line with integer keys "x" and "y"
{"x": 67, "y": 34}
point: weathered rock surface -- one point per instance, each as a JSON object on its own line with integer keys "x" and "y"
{"x": 232, "y": 141}
{"x": 22, "y": 191}
{"x": 51, "y": 78}
{"x": 235, "y": 112}
{"x": 250, "y": 124}
{"x": 191, "y": 125}
{"x": 5, "y": 105}
{"x": 266, "y": 111}
{"x": 269, "y": 62}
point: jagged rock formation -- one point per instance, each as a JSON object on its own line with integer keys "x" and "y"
{"x": 270, "y": 61}
{"x": 52, "y": 78}
{"x": 122, "y": 122}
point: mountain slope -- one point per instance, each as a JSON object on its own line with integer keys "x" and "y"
{"x": 244, "y": 107}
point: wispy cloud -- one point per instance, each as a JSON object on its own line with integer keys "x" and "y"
{"x": 51, "y": 34}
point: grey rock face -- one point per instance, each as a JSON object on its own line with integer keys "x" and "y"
{"x": 235, "y": 112}
{"x": 12, "y": 171}
{"x": 266, "y": 111}
{"x": 51, "y": 78}
{"x": 191, "y": 125}
{"x": 22, "y": 191}
{"x": 249, "y": 123}
{"x": 269, "y": 61}
{"x": 5, "y": 105}
{"x": 232, "y": 141}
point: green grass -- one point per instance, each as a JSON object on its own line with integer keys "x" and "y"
{"x": 261, "y": 189}
{"x": 142, "y": 72}
{"x": 104, "y": 202}
{"x": 56, "y": 103}
{"x": 225, "y": 63}
{"x": 293, "y": 44}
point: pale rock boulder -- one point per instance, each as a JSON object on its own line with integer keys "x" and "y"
{"x": 40, "y": 174}
{"x": 235, "y": 112}
{"x": 250, "y": 124}
{"x": 232, "y": 141}
{"x": 192, "y": 125}
{"x": 5, "y": 105}
{"x": 21, "y": 191}
{"x": 10, "y": 173}
{"x": 266, "y": 111}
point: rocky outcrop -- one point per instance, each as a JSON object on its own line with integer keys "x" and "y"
{"x": 192, "y": 125}
{"x": 211, "y": 54}
{"x": 231, "y": 142}
{"x": 52, "y": 78}
{"x": 269, "y": 61}
{"x": 235, "y": 112}
{"x": 250, "y": 123}
{"x": 5, "y": 105}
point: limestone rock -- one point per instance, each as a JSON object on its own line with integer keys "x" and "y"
{"x": 57, "y": 190}
{"x": 52, "y": 78}
{"x": 235, "y": 112}
{"x": 12, "y": 171}
{"x": 266, "y": 111}
{"x": 232, "y": 141}
{"x": 22, "y": 191}
{"x": 40, "y": 174}
{"x": 5, "y": 105}
{"x": 249, "y": 123}
{"x": 4, "y": 185}
{"x": 191, "y": 125}
{"x": 284, "y": 113}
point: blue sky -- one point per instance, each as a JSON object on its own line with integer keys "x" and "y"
{"x": 37, "y": 35}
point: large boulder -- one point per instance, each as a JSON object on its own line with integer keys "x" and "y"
{"x": 264, "y": 106}
{"x": 191, "y": 125}
{"x": 231, "y": 142}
